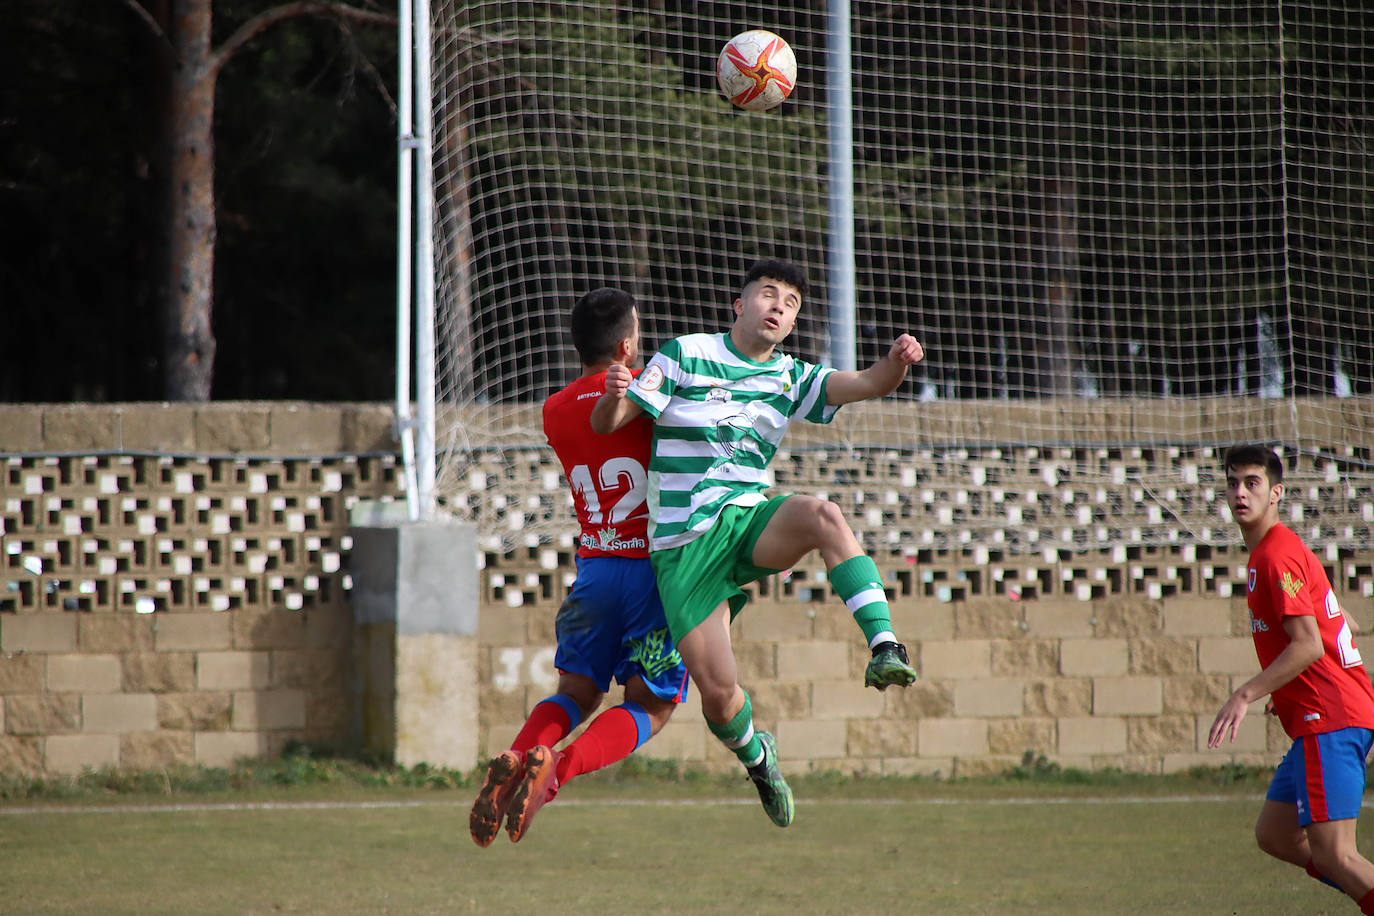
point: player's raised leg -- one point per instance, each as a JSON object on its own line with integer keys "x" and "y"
{"x": 802, "y": 524}
{"x": 618, "y": 732}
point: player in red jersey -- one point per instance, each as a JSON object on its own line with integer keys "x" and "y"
{"x": 611, "y": 624}
{"x": 1316, "y": 682}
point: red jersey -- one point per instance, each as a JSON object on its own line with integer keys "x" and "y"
{"x": 607, "y": 474}
{"x": 1334, "y": 691}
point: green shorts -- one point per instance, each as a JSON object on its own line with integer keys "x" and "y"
{"x": 695, "y": 578}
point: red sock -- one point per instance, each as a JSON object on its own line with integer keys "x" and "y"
{"x": 611, "y": 736}
{"x": 548, "y": 724}
{"x": 1367, "y": 902}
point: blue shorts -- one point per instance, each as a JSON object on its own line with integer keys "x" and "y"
{"x": 612, "y": 624}
{"x": 1323, "y": 775}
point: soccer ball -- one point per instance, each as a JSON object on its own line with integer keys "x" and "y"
{"x": 756, "y": 70}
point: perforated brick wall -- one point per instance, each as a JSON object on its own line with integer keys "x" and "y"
{"x": 173, "y": 579}
{"x": 174, "y": 588}
{"x": 1061, "y": 601}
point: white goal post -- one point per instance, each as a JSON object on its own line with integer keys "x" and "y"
{"x": 415, "y": 258}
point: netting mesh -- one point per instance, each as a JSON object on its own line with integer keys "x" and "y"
{"x": 1152, "y": 209}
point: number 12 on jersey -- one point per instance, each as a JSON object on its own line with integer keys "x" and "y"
{"x": 613, "y": 476}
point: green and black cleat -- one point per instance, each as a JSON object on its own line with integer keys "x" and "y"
{"x": 774, "y": 791}
{"x": 889, "y": 666}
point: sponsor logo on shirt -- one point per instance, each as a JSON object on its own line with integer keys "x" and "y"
{"x": 728, "y": 427}
{"x": 1290, "y": 586}
{"x": 1258, "y": 626}
{"x": 610, "y": 539}
{"x": 718, "y": 393}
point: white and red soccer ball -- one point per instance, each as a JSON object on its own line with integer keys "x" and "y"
{"x": 756, "y": 70}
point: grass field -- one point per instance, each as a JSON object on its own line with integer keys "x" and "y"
{"x": 659, "y": 846}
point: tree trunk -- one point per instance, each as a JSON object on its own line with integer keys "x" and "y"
{"x": 188, "y": 278}
{"x": 1060, "y": 205}
{"x": 187, "y": 283}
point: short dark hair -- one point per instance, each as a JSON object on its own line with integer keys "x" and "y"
{"x": 600, "y": 320}
{"x": 1241, "y": 456}
{"x": 773, "y": 269}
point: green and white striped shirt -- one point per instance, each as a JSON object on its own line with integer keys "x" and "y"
{"x": 718, "y": 419}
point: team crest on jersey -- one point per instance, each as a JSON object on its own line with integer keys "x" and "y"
{"x": 651, "y": 379}
{"x": 1250, "y": 583}
{"x": 1290, "y": 586}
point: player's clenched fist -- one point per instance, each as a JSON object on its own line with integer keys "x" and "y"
{"x": 907, "y": 350}
{"x": 618, "y": 379}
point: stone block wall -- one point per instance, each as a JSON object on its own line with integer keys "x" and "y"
{"x": 1132, "y": 683}
{"x": 1081, "y": 602}
{"x": 173, "y": 579}
{"x": 174, "y": 587}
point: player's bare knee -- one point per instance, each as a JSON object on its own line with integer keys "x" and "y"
{"x": 655, "y": 707}
{"x": 1290, "y": 845}
{"x": 1278, "y": 847}
{"x": 716, "y": 700}
{"x": 659, "y": 716}
{"x": 824, "y": 521}
{"x": 1336, "y": 860}
{"x": 583, "y": 691}
{"x": 832, "y": 519}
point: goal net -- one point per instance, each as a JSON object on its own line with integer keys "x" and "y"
{"x": 1114, "y": 226}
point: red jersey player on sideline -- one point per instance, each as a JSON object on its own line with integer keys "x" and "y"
{"x": 1317, "y": 684}
{"x": 612, "y": 623}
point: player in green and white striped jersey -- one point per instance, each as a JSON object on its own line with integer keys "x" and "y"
{"x": 721, "y": 404}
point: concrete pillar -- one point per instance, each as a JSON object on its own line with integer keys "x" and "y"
{"x": 414, "y": 598}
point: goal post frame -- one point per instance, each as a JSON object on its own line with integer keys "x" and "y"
{"x": 415, "y": 259}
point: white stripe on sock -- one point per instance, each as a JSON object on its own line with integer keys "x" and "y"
{"x": 748, "y": 735}
{"x": 871, "y": 595}
{"x": 884, "y": 636}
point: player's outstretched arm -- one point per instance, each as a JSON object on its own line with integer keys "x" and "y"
{"x": 1304, "y": 648}
{"x": 879, "y": 379}
{"x": 613, "y": 410}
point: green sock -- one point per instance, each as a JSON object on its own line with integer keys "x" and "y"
{"x": 738, "y": 734}
{"x": 861, "y": 586}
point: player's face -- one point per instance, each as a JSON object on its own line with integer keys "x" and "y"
{"x": 766, "y": 311}
{"x": 1249, "y": 495}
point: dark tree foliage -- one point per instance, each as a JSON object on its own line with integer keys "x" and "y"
{"x": 305, "y": 286}
{"x": 77, "y": 85}
{"x": 304, "y": 281}
{"x": 1061, "y": 196}
{"x": 1048, "y": 189}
